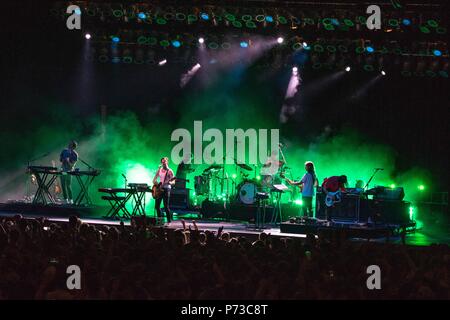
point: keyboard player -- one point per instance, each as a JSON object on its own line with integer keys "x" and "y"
{"x": 68, "y": 158}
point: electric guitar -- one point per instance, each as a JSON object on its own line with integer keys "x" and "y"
{"x": 158, "y": 190}
{"x": 332, "y": 197}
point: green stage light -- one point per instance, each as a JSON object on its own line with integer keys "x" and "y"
{"x": 309, "y": 21}
{"x": 349, "y": 23}
{"x": 331, "y": 48}
{"x": 127, "y": 59}
{"x": 117, "y": 13}
{"x": 246, "y": 17}
{"x": 142, "y": 40}
{"x": 169, "y": 16}
{"x": 213, "y": 45}
{"x": 180, "y": 16}
{"x": 282, "y": 20}
{"x": 164, "y": 43}
{"x": 192, "y": 18}
{"x": 298, "y": 202}
{"x": 250, "y": 24}
{"x": 421, "y": 187}
{"x": 384, "y": 50}
{"x": 361, "y": 19}
{"x": 226, "y": 45}
{"x": 432, "y": 23}
{"x": 297, "y": 46}
{"x": 258, "y": 178}
{"x": 393, "y": 22}
{"x": 230, "y": 17}
{"x": 260, "y": 18}
{"x": 318, "y": 48}
{"x": 237, "y": 24}
{"x": 327, "y": 21}
{"x": 161, "y": 21}
{"x": 392, "y": 186}
{"x": 411, "y": 213}
{"x": 329, "y": 27}
{"x": 234, "y": 175}
{"x": 441, "y": 30}
{"x": 424, "y": 29}
{"x": 152, "y": 41}
{"x": 359, "y": 50}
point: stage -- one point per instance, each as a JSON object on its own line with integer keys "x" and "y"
{"x": 236, "y": 228}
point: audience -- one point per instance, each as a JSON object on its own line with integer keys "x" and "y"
{"x": 146, "y": 262}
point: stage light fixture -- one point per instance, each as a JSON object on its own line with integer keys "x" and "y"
{"x": 437, "y": 53}
{"x": 115, "y": 39}
{"x": 87, "y": 36}
{"x": 201, "y": 40}
{"x": 406, "y": 22}
{"x": 176, "y": 43}
{"x": 269, "y": 18}
{"x": 244, "y": 44}
{"x": 294, "y": 69}
{"x": 383, "y": 72}
{"x": 162, "y": 62}
{"x": 280, "y": 40}
{"x": 421, "y": 187}
{"x": 348, "y": 69}
{"x": 370, "y": 49}
{"x": 141, "y": 15}
{"x": 204, "y": 16}
{"x": 78, "y": 11}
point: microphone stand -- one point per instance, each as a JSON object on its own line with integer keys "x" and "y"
{"x": 87, "y": 164}
{"x": 373, "y": 175}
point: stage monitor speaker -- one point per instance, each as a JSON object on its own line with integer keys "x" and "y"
{"x": 179, "y": 198}
{"x": 386, "y": 193}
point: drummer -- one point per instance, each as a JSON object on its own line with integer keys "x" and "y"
{"x": 270, "y": 169}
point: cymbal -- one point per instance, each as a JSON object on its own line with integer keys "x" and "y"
{"x": 244, "y": 166}
{"x": 213, "y": 167}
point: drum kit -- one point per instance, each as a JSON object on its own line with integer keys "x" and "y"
{"x": 215, "y": 184}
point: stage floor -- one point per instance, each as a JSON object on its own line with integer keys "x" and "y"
{"x": 239, "y": 228}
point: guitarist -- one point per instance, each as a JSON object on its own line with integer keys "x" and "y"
{"x": 166, "y": 181}
{"x": 333, "y": 184}
{"x": 307, "y": 184}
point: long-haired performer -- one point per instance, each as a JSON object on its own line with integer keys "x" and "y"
{"x": 307, "y": 183}
{"x": 165, "y": 176}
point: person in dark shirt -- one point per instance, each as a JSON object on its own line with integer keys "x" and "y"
{"x": 68, "y": 158}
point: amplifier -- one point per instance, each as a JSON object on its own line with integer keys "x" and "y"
{"x": 386, "y": 193}
{"x": 179, "y": 198}
{"x": 347, "y": 209}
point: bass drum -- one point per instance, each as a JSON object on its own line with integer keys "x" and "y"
{"x": 247, "y": 192}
